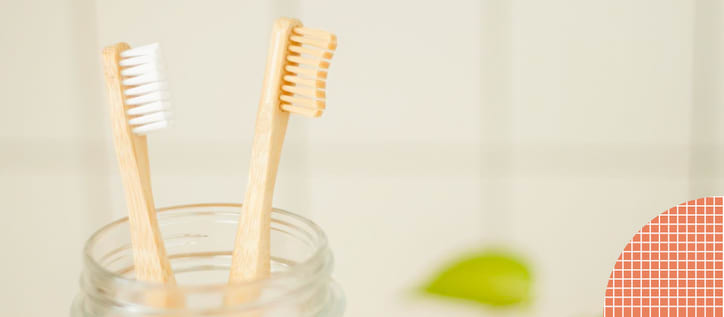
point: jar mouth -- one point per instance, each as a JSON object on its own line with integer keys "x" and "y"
{"x": 317, "y": 264}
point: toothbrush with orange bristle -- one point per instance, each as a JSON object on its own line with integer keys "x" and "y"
{"x": 294, "y": 82}
{"x": 139, "y": 104}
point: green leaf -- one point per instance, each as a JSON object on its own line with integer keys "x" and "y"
{"x": 493, "y": 278}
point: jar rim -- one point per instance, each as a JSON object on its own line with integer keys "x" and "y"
{"x": 314, "y": 264}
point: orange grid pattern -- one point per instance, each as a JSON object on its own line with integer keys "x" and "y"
{"x": 673, "y": 266}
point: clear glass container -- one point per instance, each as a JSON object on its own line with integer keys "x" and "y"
{"x": 199, "y": 240}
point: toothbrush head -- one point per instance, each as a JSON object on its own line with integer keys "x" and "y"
{"x": 305, "y": 71}
{"x": 145, "y": 88}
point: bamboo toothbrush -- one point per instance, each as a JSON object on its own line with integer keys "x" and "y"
{"x": 139, "y": 102}
{"x": 294, "y": 82}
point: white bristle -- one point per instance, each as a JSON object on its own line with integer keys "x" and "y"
{"x": 145, "y": 88}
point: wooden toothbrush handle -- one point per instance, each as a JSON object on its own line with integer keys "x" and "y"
{"x": 252, "y": 245}
{"x": 251, "y": 257}
{"x": 151, "y": 263}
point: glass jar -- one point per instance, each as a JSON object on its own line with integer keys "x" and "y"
{"x": 199, "y": 240}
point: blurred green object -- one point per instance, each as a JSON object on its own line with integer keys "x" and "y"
{"x": 493, "y": 277}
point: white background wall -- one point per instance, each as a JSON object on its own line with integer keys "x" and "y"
{"x": 554, "y": 127}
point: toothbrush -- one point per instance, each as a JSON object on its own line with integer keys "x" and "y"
{"x": 294, "y": 82}
{"x": 139, "y": 102}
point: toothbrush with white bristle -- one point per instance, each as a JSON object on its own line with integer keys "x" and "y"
{"x": 138, "y": 95}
